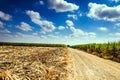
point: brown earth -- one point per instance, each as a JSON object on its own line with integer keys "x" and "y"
{"x": 33, "y": 63}
{"x": 38, "y": 63}
{"x": 90, "y": 67}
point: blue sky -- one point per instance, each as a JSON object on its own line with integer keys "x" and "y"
{"x": 60, "y": 21}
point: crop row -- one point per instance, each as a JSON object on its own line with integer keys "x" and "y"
{"x": 110, "y": 50}
{"x": 31, "y": 44}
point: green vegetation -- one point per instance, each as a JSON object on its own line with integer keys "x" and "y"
{"x": 31, "y": 44}
{"x": 107, "y": 50}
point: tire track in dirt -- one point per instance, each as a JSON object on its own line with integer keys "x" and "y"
{"x": 90, "y": 67}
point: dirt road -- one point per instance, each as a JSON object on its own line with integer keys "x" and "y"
{"x": 90, "y": 67}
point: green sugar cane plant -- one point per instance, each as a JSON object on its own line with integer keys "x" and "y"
{"x": 110, "y": 50}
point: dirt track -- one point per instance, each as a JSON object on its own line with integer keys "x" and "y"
{"x": 90, "y": 67}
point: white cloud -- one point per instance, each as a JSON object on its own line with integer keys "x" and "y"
{"x": 47, "y": 26}
{"x": 30, "y": 37}
{"x": 61, "y": 27}
{"x": 35, "y": 33}
{"x": 72, "y": 16}
{"x": 116, "y": 1}
{"x": 104, "y": 12}
{"x": 117, "y": 24}
{"x": 5, "y": 37}
{"x": 62, "y": 6}
{"x": 41, "y": 2}
{"x": 5, "y": 31}
{"x": 24, "y": 26}
{"x": 1, "y": 24}
{"x": 80, "y": 14}
{"x": 53, "y": 36}
{"x": 43, "y": 37}
{"x": 78, "y": 32}
{"x": 102, "y": 28}
{"x": 117, "y": 34}
{"x": 56, "y": 33}
{"x": 5, "y": 16}
{"x": 21, "y": 35}
{"x": 33, "y": 15}
{"x": 73, "y": 29}
{"x": 69, "y": 23}
{"x": 91, "y": 34}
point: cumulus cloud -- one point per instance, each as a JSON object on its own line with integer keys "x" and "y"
{"x": 72, "y": 16}
{"x": 116, "y": 1}
{"x": 5, "y": 31}
{"x": 102, "y": 28}
{"x": 61, "y": 27}
{"x": 117, "y": 24}
{"x": 78, "y": 32}
{"x": 24, "y": 26}
{"x": 25, "y": 36}
{"x": 80, "y": 14}
{"x": 33, "y": 15}
{"x": 35, "y": 33}
{"x": 53, "y": 36}
{"x": 1, "y": 24}
{"x": 91, "y": 34}
{"x": 116, "y": 34}
{"x": 104, "y": 12}
{"x": 69, "y": 23}
{"x": 47, "y": 26}
{"x": 41, "y": 2}
{"x": 5, "y": 16}
{"x": 62, "y": 5}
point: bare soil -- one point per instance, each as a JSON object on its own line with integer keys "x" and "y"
{"x": 90, "y": 67}
{"x": 56, "y": 63}
{"x": 33, "y": 63}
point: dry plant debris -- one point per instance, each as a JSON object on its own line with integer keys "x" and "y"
{"x": 33, "y": 63}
